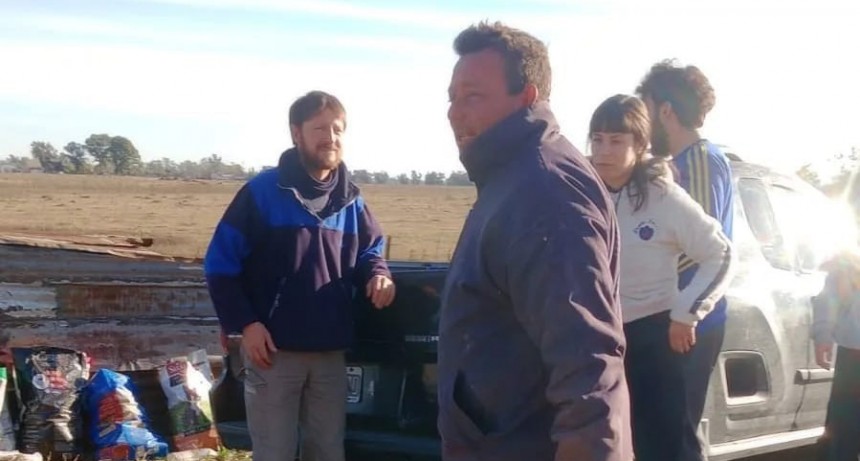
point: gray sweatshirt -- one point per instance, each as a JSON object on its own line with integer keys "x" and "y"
{"x": 836, "y": 310}
{"x": 653, "y": 237}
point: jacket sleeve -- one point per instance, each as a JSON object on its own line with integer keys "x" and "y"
{"x": 371, "y": 247}
{"x": 825, "y": 308}
{"x": 701, "y": 238}
{"x": 708, "y": 186}
{"x": 563, "y": 286}
{"x": 230, "y": 245}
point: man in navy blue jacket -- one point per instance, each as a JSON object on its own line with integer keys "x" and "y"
{"x": 281, "y": 269}
{"x": 531, "y": 344}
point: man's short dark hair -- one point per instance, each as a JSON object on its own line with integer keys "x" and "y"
{"x": 526, "y": 58}
{"x": 684, "y": 87}
{"x": 307, "y": 106}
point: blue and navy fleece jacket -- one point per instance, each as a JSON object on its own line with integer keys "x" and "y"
{"x": 275, "y": 261}
{"x": 704, "y": 172}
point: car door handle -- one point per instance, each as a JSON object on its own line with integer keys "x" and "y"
{"x": 812, "y": 375}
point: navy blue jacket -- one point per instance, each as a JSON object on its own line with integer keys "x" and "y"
{"x": 531, "y": 344}
{"x": 273, "y": 260}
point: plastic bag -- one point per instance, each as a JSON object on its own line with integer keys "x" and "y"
{"x": 50, "y": 380}
{"x": 7, "y": 429}
{"x": 200, "y": 361}
{"x": 187, "y": 390}
{"x": 16, "y": 456}
{"x": 118, "y": 423}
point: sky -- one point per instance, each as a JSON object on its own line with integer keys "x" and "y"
{"x": 188, "y": 78}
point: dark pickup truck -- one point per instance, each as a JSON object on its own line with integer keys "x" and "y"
{"x": 130, "y": 310}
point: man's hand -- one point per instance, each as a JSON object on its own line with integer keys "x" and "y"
{"x": 380, "y": 290}
{"x": 824, "y": 355}
{"x": 682, "y": 337}
{"x": 258, "y": 344}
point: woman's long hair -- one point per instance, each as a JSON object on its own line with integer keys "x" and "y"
{"x": 627, "y": 114}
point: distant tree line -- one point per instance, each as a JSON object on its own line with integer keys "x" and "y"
{"x": 414, "y": 178}
{"x": 99, "y": 154}
{"x": 116, "y": 155}
{"x": 104, "y": 154}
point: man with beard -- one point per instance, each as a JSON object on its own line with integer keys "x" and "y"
{"x": 281, "y": 269}
{"x": 678, "y": 99}
{"x": 531, "y": 345}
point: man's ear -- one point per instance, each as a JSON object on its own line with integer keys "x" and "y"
{"x": 530, "y": 95}
{"x": 295, "y": 133}
{"x": 666, "y": 112}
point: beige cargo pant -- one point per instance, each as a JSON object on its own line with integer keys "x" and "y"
{"x": 304, "y": 390}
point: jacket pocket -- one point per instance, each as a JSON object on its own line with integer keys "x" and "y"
{"x": 251, "y": 377}
{"x": 462, "y": 411}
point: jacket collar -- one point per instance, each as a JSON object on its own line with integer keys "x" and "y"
{"x": 292, "y": 175}
{"x": 520, "y": 132}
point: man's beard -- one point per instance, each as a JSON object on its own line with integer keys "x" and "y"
{"x": 315, "y": 159}
{"x": 659, "y": 139}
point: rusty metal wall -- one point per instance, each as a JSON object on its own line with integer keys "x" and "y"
{"x": 127, "y": 313}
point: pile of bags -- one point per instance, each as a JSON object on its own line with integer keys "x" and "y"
{"x": 61, "y": 411}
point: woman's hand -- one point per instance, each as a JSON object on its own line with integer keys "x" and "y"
{"x": 682, "y": 337}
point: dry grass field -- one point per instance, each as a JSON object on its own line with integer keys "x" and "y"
{"x": 423, "y": 221}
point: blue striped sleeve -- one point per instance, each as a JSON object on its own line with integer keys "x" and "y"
{"x": 230, "y": 246}
{"x": 709, "y": 181}
{"x": 371, "y": 246}
{"x": 709, "y": 184}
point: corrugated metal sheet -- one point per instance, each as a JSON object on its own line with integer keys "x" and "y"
{"x": 129, "y": 310}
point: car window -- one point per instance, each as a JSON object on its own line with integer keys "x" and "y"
{"x": 795, "y": 216}
{"x": 762, "y": 221}
{"x": 758, "y": 210}
{"x": 811, "y": 227}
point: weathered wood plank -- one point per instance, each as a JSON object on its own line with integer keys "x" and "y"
{"x": 125, "y": 313}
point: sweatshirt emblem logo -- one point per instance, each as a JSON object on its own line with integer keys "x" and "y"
{"x": 645, "y": 230}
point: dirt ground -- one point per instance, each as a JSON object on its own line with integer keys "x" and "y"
{"x": 423, "y": 222}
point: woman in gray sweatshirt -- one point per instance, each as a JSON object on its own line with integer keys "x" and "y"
{"x": 658, "y": 222}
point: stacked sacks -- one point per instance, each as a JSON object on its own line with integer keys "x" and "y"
{"x": 58, "y": 401}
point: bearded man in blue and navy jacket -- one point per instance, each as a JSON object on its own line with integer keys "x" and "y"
{"x": 679, "y": 98}
{"x": 281, "y": 269}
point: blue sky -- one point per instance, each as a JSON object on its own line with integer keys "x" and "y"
{"x": 187, "y": 78}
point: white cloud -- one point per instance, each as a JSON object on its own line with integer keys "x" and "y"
{"x": 422, "y": 17}
{"x": 414, "y": 15}
{"x": 58, "y": 24}
{"x": 163, "y": 37}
